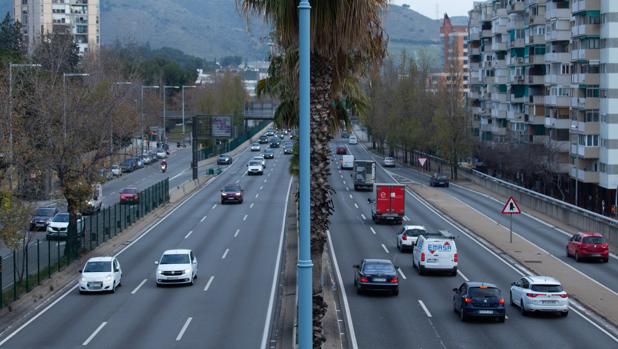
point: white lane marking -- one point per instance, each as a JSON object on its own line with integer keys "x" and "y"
{"x": 372, "y": 230}
{"x": 183, "y": 329}
{"x": 351, "y": 197}
{"x": 203, "y": 219}
{"x": 94, "y": 333}
{"x": 188, "y": 234}
{"x": 341, "y": 175}
{"x": 227, "y": 250}
{"x": 261, "y": 187}
{"x": 237, "y": 181}
{"x": 178, "y": 175}
{"x": 214, "y": 206}
{"x": 273, "y": 288}
{"x": 363, "y": 216}
{"x": 347, "y": 188}
{"x": 139, "y": 286}
{"x": 405, "y": 218}
{"x": 355, "y": 205}
{"x": 424, "y": 308}
{"x": 344, "y": 182}
{"x": 265, "y": 180}
{"x": 236, "y": 233}
{"x": 462, "y": 275}
{"x": 401, "y": 273}
{"x": 251, "y": 206}
{"x": 385, "y": 249}
{"x": 209, "y": 283}
{"x": 245, "y": 217}
{"x": 257, "y": 195}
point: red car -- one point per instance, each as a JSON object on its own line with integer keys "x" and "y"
{"x": 341, "y": 150}
{"x": 588, "y": 245}
{"x": 129, "y": 195}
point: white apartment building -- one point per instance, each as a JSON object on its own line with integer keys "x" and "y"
{"x": 78, "y": 17}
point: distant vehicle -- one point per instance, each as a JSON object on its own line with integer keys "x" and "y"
{"x": 588, "y": 245}
{"x": 263, "y": 139}
{"x": 57, "y": 229}
{"x": 438, "y": 180}
{"x": 147, "y": 158}
{"x": 116, "y": 171}
{"x": 224, "y": 159}
{"x": 433, "y": 253}
{"x": 41, "y": 217}
{"x": 96, "y": 201}
{"x": 128, "y": 165}
{"x": 231, "y": 193}
{"x": 539, "y": 294}
{"x": 255, "y": 167}
{"x": 139, "y": 162}
{"x": 275, "y": 144}
{"x": 281, "y": 136}
{"x": 269, "y": 154}
{"x": 389, "y": 203}
{"x": 176, "y": 267}
{"x": 406, "y": 237}
{"x": 345, "y": 135}
{"x": 261, "y": 159}
{"x": 364, "y": 174}
{"x": 288, "y": 149}
{"x": 376, "y": 275}
{"x": 352, "y": 140}
{"x": 100, "y": 274}
{"x": 347, "y": 162}
{"x": 479, "y": 299}
{"x": 389, "y": 162}
{"x": 341, "y": 150}
{"x": 269, "y": 134}
{"x": 129, "y": 195}
{"x": 153, "y": 155}
{"x": 161, "y": 153}
{"x": 255, "y": 147}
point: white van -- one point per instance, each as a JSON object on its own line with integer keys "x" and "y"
{"x": 347, "y": 162}
{"x": 352, "y": 140}
{"x": 435, "y": 253}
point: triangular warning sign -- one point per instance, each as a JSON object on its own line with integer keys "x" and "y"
{"x": 511, "y": 207}
{"x": 422, "y": 161}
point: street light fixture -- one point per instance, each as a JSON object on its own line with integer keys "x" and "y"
{"x": 183, "y": 110}
{"x": 164, "y": 113}
{"x": 64, "y": 97}
{"x": 142, "y": 113}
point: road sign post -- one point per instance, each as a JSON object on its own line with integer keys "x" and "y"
{"x": 422, "y": 162}
{"x": 511, "y": 208}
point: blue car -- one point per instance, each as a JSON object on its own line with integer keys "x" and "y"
{"x": 479, "y": 299}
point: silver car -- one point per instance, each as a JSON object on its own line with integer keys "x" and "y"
{"x": 389, "y": 161}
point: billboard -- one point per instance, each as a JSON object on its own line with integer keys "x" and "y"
{"x": 221, "y": 126}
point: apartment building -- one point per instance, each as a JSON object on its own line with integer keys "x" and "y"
{"x": 77, "y": 17}
{"x": 545, "y": 73}
{"x": 455, "y": 49}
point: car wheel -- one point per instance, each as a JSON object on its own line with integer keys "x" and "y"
{"x": 511, "y": 298}
{"x": 577, "y": 257}
{"x": 606, "y": 260}
{"x": 396, "y": 292}
{"x": 564, "y": 314}
{"x": 454, "y": 272}
{"x": 462, "y": 315}
{"x": 501, "y": 318}
{"x": 522, "y": 308}
{"x": 420, "y": 270}
{"x": 399, "y": 246}
{"x": 567, "y": 253}
{"x": 81, "y": 292}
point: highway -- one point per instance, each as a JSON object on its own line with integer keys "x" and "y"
{"x": 237, "y": 247}
{"x": 422, "y": 315}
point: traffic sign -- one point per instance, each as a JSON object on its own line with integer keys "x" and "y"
{"x": 511, "y": 207}
{"x": 422, "y": 161}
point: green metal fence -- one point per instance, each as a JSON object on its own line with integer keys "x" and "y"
{"x": 26, "y": 267}
{"x": 207, "y": 152}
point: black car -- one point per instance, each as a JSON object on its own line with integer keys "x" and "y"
{"x": 376, "y": 275}
{"x": 288, "y": 150}
{"x": 275, "y": 144}
{"x": 438, "y": 180}
{"x": 231, "y": 193}
{"x": 41, "y": 217}
{"x": 263, "y": 140}
{"x": 269, "y": 154}
{"x": 345, "y": 135}
{"x": 224, "y": 159}
{"x": 129, "y": 165}
{"x": 479, "y": 299}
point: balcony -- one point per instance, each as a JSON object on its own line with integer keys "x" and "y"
{"x": 498, "y": 46}
{"x": 499, "y": 113}
{"x": 552, "y": 11}
{"x": 583, "y": 5}
{"x": 536, "y": 20}
{"x": 536, "y": 120}
{"x": 486, "y": 33}
{"x": 518, "y": 80}
{"x": 558, "y": 79}
{"x": 585, "y": 54}
{"x": 474, "y": 51}
{"x": 584, "y": 175}
{"x": 538, "y": 100}
{"x": 516, "y": 6}
{"x": 500, "y": 80}
{"x": 536, "y": 139}
{"x": 558, "y": 146}
{"x": 558, "y": 35}
{"x": 562, "y": 124}
{"x": 535, "y": 59}
{"x": 582, "y": 127}
{"x": 517, "y": 61}
{"x": 536, "y": 79}
{"x": 557, "y": 57}
{"x": 517, "y": 99}
{"x": 517, "y": 43}
{"x": 474, "y": 36}
{"x": 536, "y": 39}
{"x": 586, "y": 30}
{"x": 585, "y": 79}
{"x": 499, "y": 97}
{"x": 585, "y": 102}
{"x": 558, "y": 101}
{"x": 497, "y": 130}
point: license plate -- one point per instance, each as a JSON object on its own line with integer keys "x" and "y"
{"x": 379, "y": 279}
{"x": 486, "y": 311}
{"x": 431, "y": 260}
{"x": 549, "y": 302}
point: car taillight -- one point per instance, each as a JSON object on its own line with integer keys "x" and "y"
{"x": 565, "y": 295}
{"x": 501, "y": 301}
{"x": 364, "y": 279}
{"x": 404, "y": 237}
{"x": 423, "y": 257}
{"x": 455, "y": 257}
{"x": 467, "y": 300}
{"x": 393, "y": 280}
{"x": 532, "y": 295}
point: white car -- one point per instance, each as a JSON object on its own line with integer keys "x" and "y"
{"x": 161, "y": 153}
{"x": 539, "y": 294}
{"x": 100, "y": 274}
{"x": 116, "y": 171}
{"x": 176, "y": 267}
{"x": 389, "y": 161}
{"x": 352, "y": 140}
{"x": 255, "y": 167}
{"x": 57, "y": 229}
{"x": 435, "y": 253}
{"x": 261, "y": 159}
{"x": 407, "y": 236}
{"x": 256, "y": 146}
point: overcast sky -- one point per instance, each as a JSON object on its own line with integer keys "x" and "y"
{"x": 428, "y": 7}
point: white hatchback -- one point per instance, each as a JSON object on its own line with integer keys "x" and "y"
{"x": 176, "y": 267}
{"x": 539, "y": 294}
{"x": 100, "y": 274}
{"x": 407, "y": 236}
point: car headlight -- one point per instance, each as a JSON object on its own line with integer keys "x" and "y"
{"x": 82, "y": 280}
{"x": 159, "y": 272}
{"x": 108, "y": 278}
{"x": 187, "y": 271}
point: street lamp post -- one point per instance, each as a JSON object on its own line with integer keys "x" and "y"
{"x": 305, "y": 265}
{"x": 142, "y": 113}
{"x": 111, "y": 126}
{"x": 183, "y": 111}
{"x": 64, "y": 97}
{"x": 164, "y": 112}
{"x": 11, "y": 66}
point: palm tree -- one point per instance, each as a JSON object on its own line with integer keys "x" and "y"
{"x": 346, "y": 38}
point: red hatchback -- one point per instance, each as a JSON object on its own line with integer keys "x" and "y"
{"x": 129, "y": 196}
{"x": 588, "y": 245}
{"x": 341, "y": 150}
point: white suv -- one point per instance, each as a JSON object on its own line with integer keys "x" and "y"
{"x": 255, "y": 167}
{"x": 407, "y": 236}
{"x": 100, "y": 274}
{"x": 539, "y": 293}
{"x": 176, "y": 267}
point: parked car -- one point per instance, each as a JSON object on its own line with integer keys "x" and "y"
{"x": 116, "y": 171}
{"x": 41, "y": 218}
{"x": 255, "y": 147}
{"x": 100, "y": 274}
{"x": 438, "y": 180}
{"x": 389, "y": 161}
{"x": 161, "y": 153}
{"x": 176, "y": 267}
{"x": 128, "y": 165}
{"x": 588, "y": 245}
{"x": 341, "y": 150}
{"x": 232, "y": 193}
{"x": 129, "y": 195}
{"x": 479, "y": 299}
{"x": 94, "y": 204}
{"x": 376, "y": 275}
{"x": 224, "y": 159}
{"x": 57, "y": 229}
{"x": 539, "y": 294}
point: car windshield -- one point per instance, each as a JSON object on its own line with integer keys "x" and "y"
{"x": 98, "y": 267}
{"x": 416, "y": 232}
{"x": 222, "y": 156}
{"x": 378, "y": 268}
{"x": 61, "y": 218}
{"x": 442, "y": 178}
{"x": 255, "y": 163}
{"x": 129, "y": 191}
{"x": 388, "y": 159}
{"x": 483, "y": 292}
{"x": 546, "y": 288}
{"x": 233, "y": 188}
{"x": 593, "y": 240}
{"x": 48, "y": 212}
{"x": 115, "y": 167}
{"x": 268, "y": 151}
{"x": 175, "y": 259}
{"x": 256, "y": 144}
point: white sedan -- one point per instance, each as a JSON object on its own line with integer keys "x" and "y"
{"x": 539, "y": 294}
{"x": 100, "y": 274}
{"x": 256, "y": 147}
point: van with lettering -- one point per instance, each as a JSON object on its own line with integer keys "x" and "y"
{"x": 435, "y": 254}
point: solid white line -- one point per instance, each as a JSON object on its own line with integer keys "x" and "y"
{"x": 363, "y": 216}
{"x": 401, "y": 273}
{"x": 424, "y": 308}
{"x": 251, "y": 206}
{"x": 94, "y": 334}
{"x": 271, "y": 301}
{"x": 245, "y": 217}
{"x": 139, "y": 286}
{"x": 208, "y": 283}
{"x": 355, "y": 205}
{"x": 351, "y": 197}
{"x": 183, "y": 329}
{"x": 225, "y": 253}
{"x": 178, "y": 175}
{"x": 236, "y": 233}
{"x": 372, "y": 230}
{"x": 405, "y": 218}
{"x": 203, "y": 219}
{"x": 462, "y": 275}
{"x": 237, "y": 181}
{"x": 385, "y": 249}
{"x": 257, "y": 195}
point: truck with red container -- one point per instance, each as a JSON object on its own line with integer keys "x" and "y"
{"x": 389, "y": 203}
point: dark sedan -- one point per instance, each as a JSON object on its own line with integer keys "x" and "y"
{"x": 275, "y": 144}
{"x": 479, "y": 299}
{"x": 231, "y": 193}
{"x": 288, "y": 150}
{"x": 376, "y": 275}
{"x": 41, "y": 217}
{"x": 263, "y": 140}
{"x": 269, "y": 154}
{"x": 341, "y": 150}
{"x": 224, "y": 159}
{"x": 438, "y": 180}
